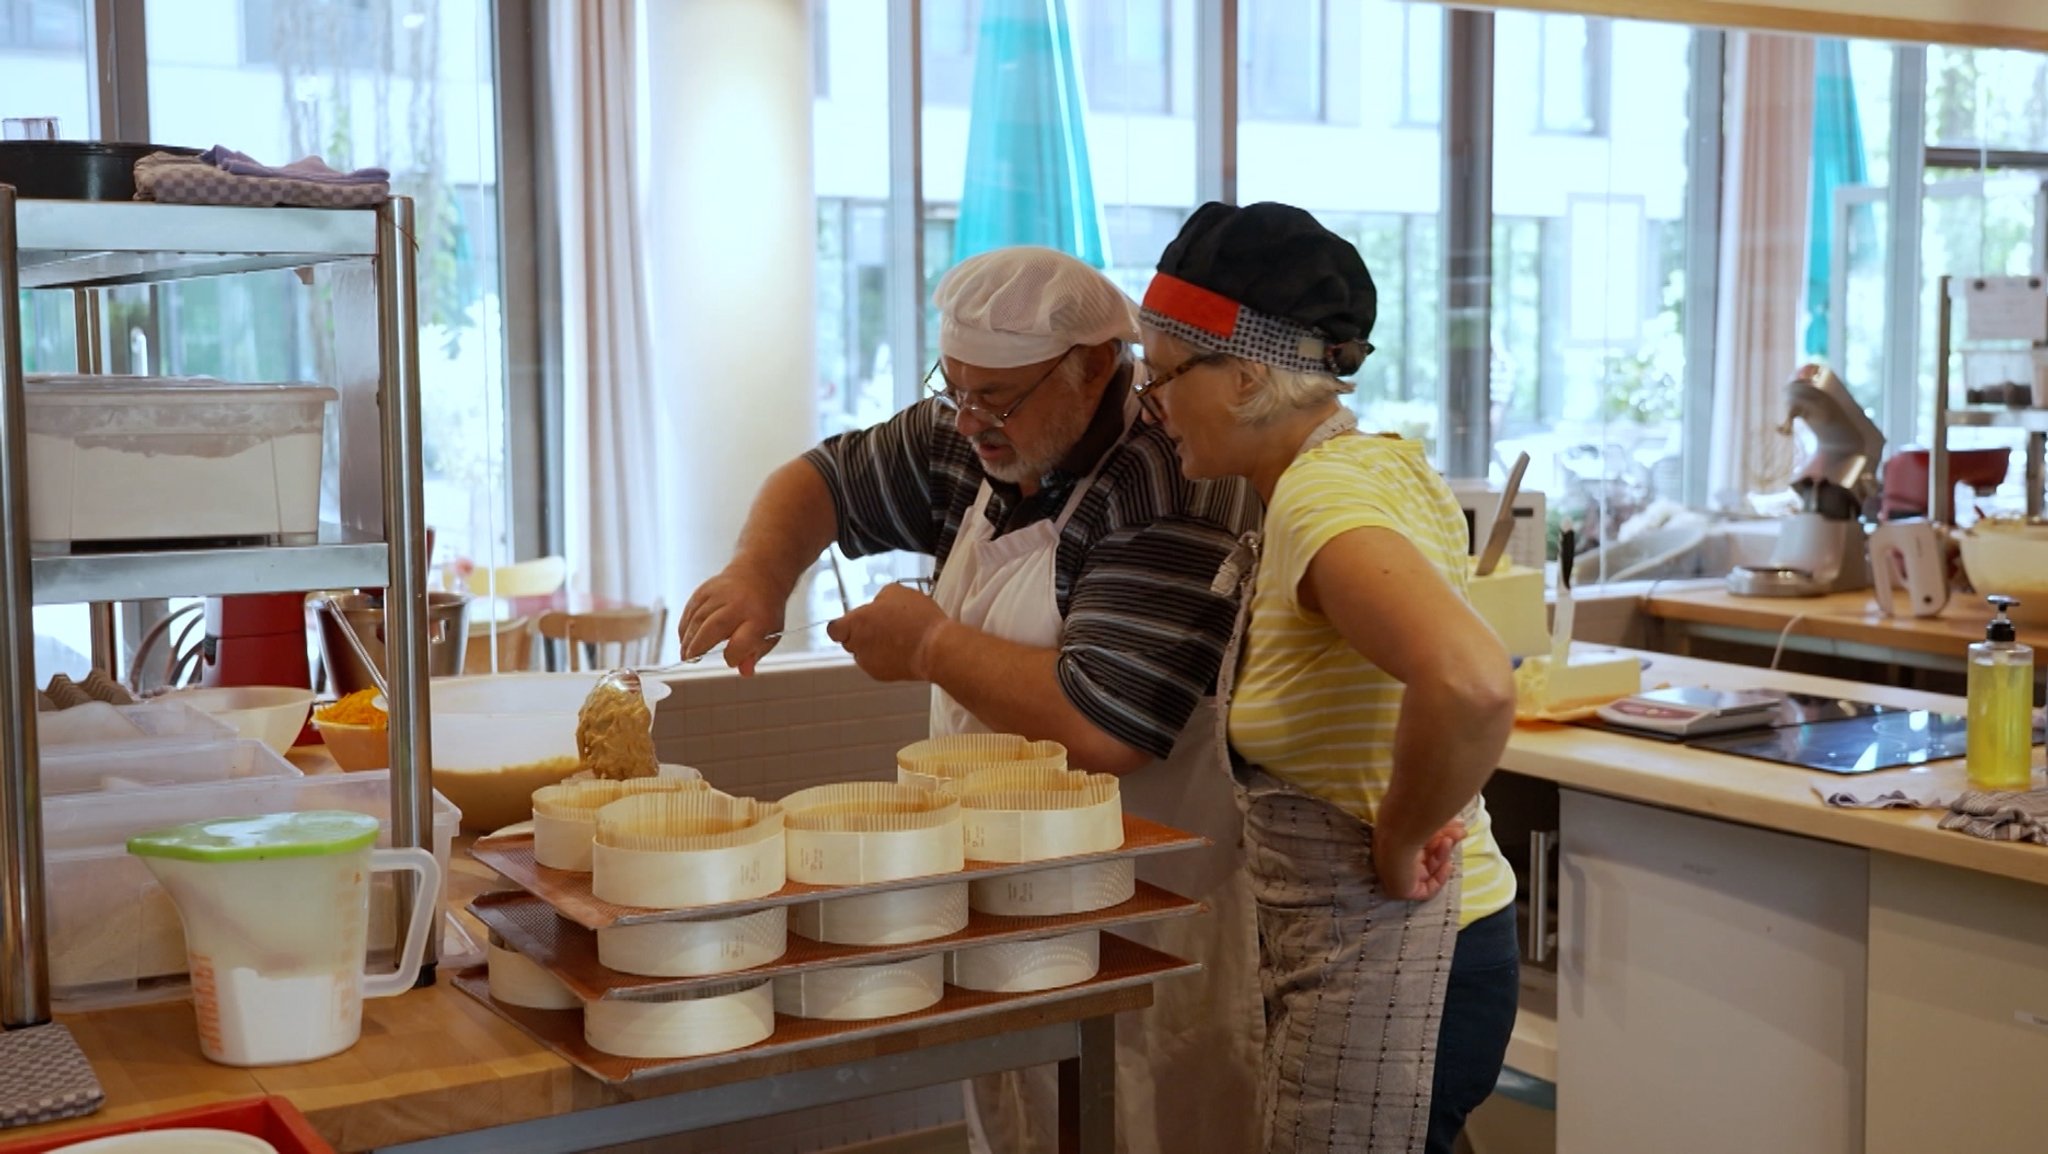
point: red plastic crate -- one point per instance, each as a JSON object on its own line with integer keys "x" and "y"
{"x": 273, "y": 1119}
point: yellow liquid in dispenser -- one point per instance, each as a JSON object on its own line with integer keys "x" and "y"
{"x": 2000, "y": 736}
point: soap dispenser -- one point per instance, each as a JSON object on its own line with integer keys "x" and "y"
{"x": 2001, "y": 722}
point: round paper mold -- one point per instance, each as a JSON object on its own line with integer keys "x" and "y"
{"x": 894, "y": 918}
{"x": 696, "y": 948}
{"x": 677, "y": 850}
{"x": 682, "y": 1025}
{"x": 858, "y": 993}
{"x": 1035, "y": 814}
{"x": 1078, "y": 889}
{"x": 871, "y": 831}
{"x": 565, "y": 815}
{"x": 936, "y": 761}
{"x": 518, "y": 980}
{"x": 1021, "y": 967}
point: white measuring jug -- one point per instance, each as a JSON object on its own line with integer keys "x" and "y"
{"x": 276, "y": 910}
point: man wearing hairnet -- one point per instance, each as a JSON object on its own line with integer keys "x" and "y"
{"x": 1085, "y": 593}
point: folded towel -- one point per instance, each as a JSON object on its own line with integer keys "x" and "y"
{"x": 311, "y": 168}
{"x": 2003, "y": 815}
{"x": 44, "y": 1076}
{"x": 172, "y": 179}
{"x": 1883, "y": 795}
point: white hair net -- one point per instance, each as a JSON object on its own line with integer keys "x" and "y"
{"x": 1019, "y": 306}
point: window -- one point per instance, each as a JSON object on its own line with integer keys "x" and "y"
{"x": 46, "y": 25}
{"x": 821, "y": 51}
{"x": 1589, "y": 257}
{"x": 1422, "y": 64}
{"x": 1127, "y": 54}
{"x": 948, "y": 30}
{"x": 419, "y": 101}
{"x": 1284, "y": 60}
{"x": 1572, "y": 66}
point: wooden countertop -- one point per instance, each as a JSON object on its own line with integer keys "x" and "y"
{"x": 1851, "y": 617}
{"x": 1762, "y": 793}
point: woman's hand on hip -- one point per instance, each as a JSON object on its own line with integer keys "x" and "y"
{"x": 1418, "y": 873}
{"x": 891, "y": 637}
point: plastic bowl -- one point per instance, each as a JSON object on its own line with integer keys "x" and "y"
{"x": 496, "y": 739}
{"x": 357, "y": 747}
{"x": 2009, "y": 558}
{"x": 273, "y": 715}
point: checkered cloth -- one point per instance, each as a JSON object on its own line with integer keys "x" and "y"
{"x": 172, "y": 179}
{"x": 2001, "y": 815}
{"x": 44, "y": 1076}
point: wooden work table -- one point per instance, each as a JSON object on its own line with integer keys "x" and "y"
{"x": 435, "y": 1063}
{"x": 1840, "y": 624}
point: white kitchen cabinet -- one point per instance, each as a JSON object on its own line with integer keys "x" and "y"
{"x": 1958, "y": 1010}
{"x": 1710, "y": 986}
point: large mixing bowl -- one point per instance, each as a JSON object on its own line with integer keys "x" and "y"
{"x": 2009, "y": 558}
{"x": 497, "y": 739}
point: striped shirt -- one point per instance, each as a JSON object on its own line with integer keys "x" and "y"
{"x": 1309, "y": 708}
{"x": 1137, "y": 570}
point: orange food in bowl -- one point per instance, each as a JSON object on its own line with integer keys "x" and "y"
{"x": 356, "y": 747}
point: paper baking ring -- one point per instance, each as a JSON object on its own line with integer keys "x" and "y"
{"x": 855, "y": 833}
{"x": 1077, "y": 889}
{"x": 938, "y": 760}
{"x": 698, "y": 947}
{"x": 565, "y": 814}
{"x": 518, "y": 980}
{"x": 892, "y": 918}
{"x": 1020, "y": 815}
{"x": 677, "y": 850}
{"x": 684, "y": 1025}
{"x": 1022, "y": 967}
{"x": 858, "y": 993}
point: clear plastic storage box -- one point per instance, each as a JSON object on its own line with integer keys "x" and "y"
{"x": 76, "y": 736}
{"x": 170, "y": 458}
{"x": 113, "y": 932}
{"x": 153, "y": 767}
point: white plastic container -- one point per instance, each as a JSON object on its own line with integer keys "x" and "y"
{"x": 96, "y": 727}
{"x": 114, "y": 936}
{"x": 151, "y": 767}
{"x": 154, "y": 458}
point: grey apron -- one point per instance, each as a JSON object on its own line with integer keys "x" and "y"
{"x": 1354, "y": 981}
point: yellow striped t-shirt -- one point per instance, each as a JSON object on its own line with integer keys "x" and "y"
{"x": 1308, "y": 707}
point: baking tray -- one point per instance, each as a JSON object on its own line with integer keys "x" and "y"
{"x": 512, "y": 856}
{"x": 532, "y": 927}
{"x": 1124, "y": 963}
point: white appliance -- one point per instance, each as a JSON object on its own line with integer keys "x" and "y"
{"x": 1525, "y": 541}
{"x": 1711, "y": 982}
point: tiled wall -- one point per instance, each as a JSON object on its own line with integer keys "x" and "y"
{"x": 799, "y": 722}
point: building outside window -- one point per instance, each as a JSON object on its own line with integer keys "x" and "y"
{"x": 1573, "y": 57}
{"x": 1126, "y": 49}
{"x": 1300, "y": 60}
{"x": 1422, "y": 65}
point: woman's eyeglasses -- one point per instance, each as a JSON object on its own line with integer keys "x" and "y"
{"x": 1155, "y": 381}
{"x": 951, "y": 397}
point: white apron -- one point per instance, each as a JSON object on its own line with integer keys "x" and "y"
{"x": 1187, "y": 1068}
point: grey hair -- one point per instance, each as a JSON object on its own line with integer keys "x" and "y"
{"x": 1283, "y": 391}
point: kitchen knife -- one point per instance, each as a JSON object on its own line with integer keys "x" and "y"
{"x": 1503, "y": 519}
{"x": 1561, "y": 615}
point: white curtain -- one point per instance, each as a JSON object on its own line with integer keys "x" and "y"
{"x": 1764, "y": 215}
{"x": 612, "y": 409}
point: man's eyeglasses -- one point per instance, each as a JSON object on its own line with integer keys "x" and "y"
{"x": 950, "y": 396}
{"x": 1154, "y": 381}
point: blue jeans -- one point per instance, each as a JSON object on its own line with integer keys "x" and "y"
{"x": 1479, "y": 1016}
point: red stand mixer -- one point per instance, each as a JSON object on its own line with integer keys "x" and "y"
{"x": 258, "y": 639}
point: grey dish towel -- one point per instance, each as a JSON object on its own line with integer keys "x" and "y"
{"x": 2001, "y": 816}
{"x": 1882, "y": 795}
{"x": 44, "y": 1076}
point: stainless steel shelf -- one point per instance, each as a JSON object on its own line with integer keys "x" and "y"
{"x": 2031, "y": 420}
{"x": 342, "y": 558}
{"x": 94, "y": 244}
